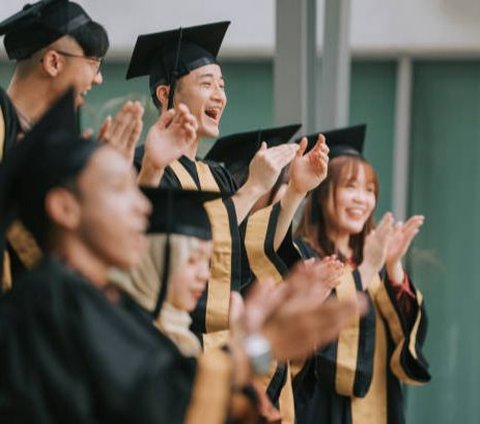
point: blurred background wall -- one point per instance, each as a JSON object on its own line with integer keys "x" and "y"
{"x": 425, "y": 51}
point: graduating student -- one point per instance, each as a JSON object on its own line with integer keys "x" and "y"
{"x": 183, "y": 68}
{"x": 358, "y": 379}
{"x": 55, "y": 45}
{"x": 235, "y": 152}
{"x": 170, "y": 280}
{"x": 68, "y": 353}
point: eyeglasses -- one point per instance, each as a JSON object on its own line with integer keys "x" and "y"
{"x": 97, "y": 60}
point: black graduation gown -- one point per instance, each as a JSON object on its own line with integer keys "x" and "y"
{"x": 68, "y": 355}
{"x": 10, "y": 128}
{"x": 10, "y": 125}
{"x": 358, "y": 378}
{"x": 250, "y": 254}
{"x": 231, "y": 261}
{"x": 227, "y": 186}
{"x": 211, "y": 387}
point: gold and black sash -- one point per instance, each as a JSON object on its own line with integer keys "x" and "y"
{"x": 407, "y": 362}
{"x": 217, "y": 305}
{"x": 211, "y": 389}
{"x": 18, "y": 237}
{"x": 266, "y": 265}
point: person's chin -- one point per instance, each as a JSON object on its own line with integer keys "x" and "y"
{"x": 357, "y": 229}
{"x": 209, "y": 131}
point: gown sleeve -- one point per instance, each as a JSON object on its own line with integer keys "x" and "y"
{"x": 406, "y": 319}
{"x": 67, "y": 355}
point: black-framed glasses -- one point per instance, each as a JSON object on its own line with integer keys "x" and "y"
{"x": 97, "y": 60}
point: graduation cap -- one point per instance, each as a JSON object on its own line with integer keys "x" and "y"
{"x": 39, "y": 24}
{"x": 342, "y": 141}
{"x": 177, "y": 212}
{"x": 180, "y": 212}
{"x": 169, "y": 55}
{"x": 52, "y": 154}
{"x": 236, "y": 151}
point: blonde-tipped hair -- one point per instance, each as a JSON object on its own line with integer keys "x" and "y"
{"x": 143, "y": 282}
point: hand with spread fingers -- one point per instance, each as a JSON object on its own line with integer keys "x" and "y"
{"x": 124, "y": 130}
{"x": 267, "y": 164}
{"x": 308, "y": 170}
{"x": 167, "y": 140}
{"x": 263, "y": 172}
{"x": 402, "y": 237}
{"x": 375, "y": 250}
{"x": 294, "y": 316}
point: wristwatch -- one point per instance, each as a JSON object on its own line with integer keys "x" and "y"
{"x": 259, "y": 353}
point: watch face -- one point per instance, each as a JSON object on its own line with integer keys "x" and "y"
{"x": 259, "y": 352}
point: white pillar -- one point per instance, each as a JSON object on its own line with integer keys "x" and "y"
{"x": 401, "y": 148}
{"x": 335, "y": 89}
{"x": 295, "y": 63}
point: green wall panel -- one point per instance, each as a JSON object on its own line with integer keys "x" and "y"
{"x": 445, "y": 179}
{"x": 6, "y": 69}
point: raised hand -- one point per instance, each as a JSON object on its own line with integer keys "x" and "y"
{"x": 294, "y": 316}
{"x": 329, "y": 270}
{"x": 168, "y": 139}
{"x": 267, "y": 164}
{"x": 123, "y": 131}
{"x": 307, "y": 171}
{"x": 170, "y": 136}
{"x": 402, "y": 237}
{"x": 375, "y": 249}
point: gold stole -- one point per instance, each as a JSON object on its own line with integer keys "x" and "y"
{"x": 347, "y": 345}
{"x": 211, "y": 389}
{"x": 17, "y": 235}
{"x": 373, "y": 407}
{"x": 218, "y": 296}
{"x": 387, "y": 310}
{"x": 264, "y": 269}
{"x": 255, "y": 237}
{"x": 6, "y": 271}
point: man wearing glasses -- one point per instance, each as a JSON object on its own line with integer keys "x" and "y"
{"x": 56, "y": 45}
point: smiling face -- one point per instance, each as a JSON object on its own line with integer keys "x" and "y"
{"x": 191, "y": 273}
{"x": 203, "y": 91}
{"x": 352, "y": 196}
{"x": 66, "y": 61}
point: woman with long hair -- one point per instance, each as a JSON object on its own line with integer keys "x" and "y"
{"x": 358, "y": 378}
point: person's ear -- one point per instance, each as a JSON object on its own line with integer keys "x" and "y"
{"x": 52, "y": 62}
{"x": 62, "y": 208}
{"x": 162, "y": 92}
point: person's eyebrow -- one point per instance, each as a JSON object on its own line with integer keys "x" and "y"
{"x": 209, "y": 75}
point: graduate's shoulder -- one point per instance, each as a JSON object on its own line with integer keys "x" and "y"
{"x": 222, "y": 175}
